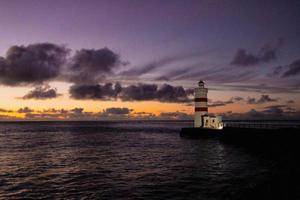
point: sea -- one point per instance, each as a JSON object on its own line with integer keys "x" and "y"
{"x": 136, "y": 160}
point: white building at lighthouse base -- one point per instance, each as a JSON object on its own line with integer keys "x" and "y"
{"x": 213, "y": 122}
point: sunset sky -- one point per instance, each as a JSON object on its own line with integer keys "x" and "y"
{"x": 139, "y": 59}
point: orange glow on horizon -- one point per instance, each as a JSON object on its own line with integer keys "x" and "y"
{"x": 10, "y": 101}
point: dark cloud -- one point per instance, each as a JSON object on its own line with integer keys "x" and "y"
{"x": 44, "y": 116}
{"x": 95, "y": 92}
{"x": 143, "y": 115}
{"x": 55, "y": 114}
{"x": 25, "y": 110}
{"x": 265, "y": 99}
{"x": 219, "y": 103}
{"x": 7, "y": 117}
{"x": 80, "y": 114}
{"x": 117, "y": 89}
{"x": 38, "y": 63}
{"x": 224, "y": 103}
{"x": 53, "y": 110}
{"x": 5, "y": 110}
{"x": 165, "y": 93}
{"x": 292, "y": 69}
{"x": 261, "y": 100}
{"x": 168, "y": 93}
{"x": 260, "y": 88}
{"x": 117, "y": 111}
{"x": 266, "y": 54}
{"x": 77, "y": 110}
{"x": 277, "y": 71}
{"x": 89, "y": 65}
{"x": 75, "y": 114}
{"x": 42, "y": 93}
{"x": 175, "y": 116}
{"x": 251, "y": 100}
{"x": 139, "y": 92}
{"x": 32, "y": 64}
{"x": 243, "y": 58}
{"x": 275, "y": 112}
{"x": 290, "y": 101}
{"x": 269, "y": 53}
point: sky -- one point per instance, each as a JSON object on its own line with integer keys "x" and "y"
{"x": 132, "y": 59}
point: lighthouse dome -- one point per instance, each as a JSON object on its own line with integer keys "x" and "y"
{"x": 201, "y": 83}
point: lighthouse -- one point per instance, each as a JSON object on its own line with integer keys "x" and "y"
{"x": 202, "y": 118}
{"x": 200, "y": 104}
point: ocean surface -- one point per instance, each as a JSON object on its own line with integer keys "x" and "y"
{"x": 136, "y": 160}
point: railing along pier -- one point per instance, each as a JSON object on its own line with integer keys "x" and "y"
{"x": 262, "y": 124}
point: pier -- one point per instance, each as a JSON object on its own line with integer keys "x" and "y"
{"x": 262, "y": 124}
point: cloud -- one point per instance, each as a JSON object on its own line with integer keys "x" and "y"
{"x": 54, "y": 114}
{"x": 243, "y": 58}
{"x": 165, "y": 93}
{"x": 175, "y": 116}
{"x": 53, "y": 110}
{"x": 267, "y": 53}
{"x": 42, "y": 93}
{"x": 216, "y": 74}
{"x": 265, "y": 99}
{"x": 5, "y": 110}
{"x": 80, "y": 114}
{"x": 260, "y": 88}
{"x": 277, "y": 71}
{"x": 77, "y": 110}
{"x": 25, "y": 110}
{"x": 173, "y": 74}
{"x": 261, "y": 100}
{"x": 76, "y": 113}
{"x": 32, "y": 64}
{"x": 157, "y": 64}
{"x": 44, "y": 116}
{"x": 224, "y": 103}
{"x": 275, "y": 112}
{"x": 117, "y": 111}
{"x": 139, "y": 92}
{"x": 143, "y": 115}
{"x": 42, "y": 62}
{"x": 290, "y": 101}
{"x": 7, "y": 117}
{"x": 292, "y": 69}
{"x": 138, "y": 71}
{"x": 90, "y": 66}
{"x": 95, "y": 92}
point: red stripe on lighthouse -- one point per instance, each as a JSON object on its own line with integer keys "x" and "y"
{"x": 201, "y": 99}
{"x": 204, "y": 109}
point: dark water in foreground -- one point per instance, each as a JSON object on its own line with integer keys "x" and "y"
{"x": 135, "y": 160}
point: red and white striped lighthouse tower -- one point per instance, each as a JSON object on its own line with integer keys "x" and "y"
{"x": 200, "y": 104}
